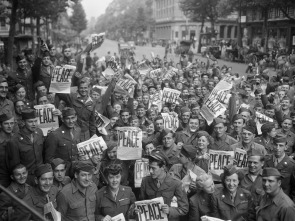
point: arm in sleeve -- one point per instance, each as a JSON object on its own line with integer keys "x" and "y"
{"x": 105, "y": 98}
{"x": 50, "y": 146}
{"x": 142, "y": 195}
{"x": 36, "y": 69}
{"x": 12, "y": 152}
{"x": 292, "y": 185}
{"x": 287, "y": 213}
{"x": 62, "y": 205}
{"x": 98, "y": 216}
{"x": 92, "y": 127}
{"x": 215, "y": 212}
{"x": 182, "y": 202}
{"x": 193, "y": 210}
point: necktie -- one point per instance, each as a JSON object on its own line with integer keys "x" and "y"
{"x": 158, "y": 184}
{"x": 72, "y": 135}
{"x": 115, "y": 196}
{"x": 232, "y": 198}
{"x": 32, "y": 138}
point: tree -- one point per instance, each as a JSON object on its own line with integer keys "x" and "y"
{"x": 78, "y": 18}
{"x": 12, "y": 23}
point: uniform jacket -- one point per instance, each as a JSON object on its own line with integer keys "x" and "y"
{"x": 186, "y": 138}
{"x": 268, "y": 145}
{"x": 74, "y": 205}
{"x": 290, "y": 141}
{"x": 36, "y": 200}
{"x": 107, "y": 205}
{"x": 169, "y": 188}
{"x": 85, "y": 113}
{"x": 280, "y": 208}
{"x": 60, "y": 185}
{"x": 287, "y": 168}
{"x": 172, "y": 153}
{"x": 225, "y": 209}
{"x": 223, "y": 143}
{"x": 200, "y": 204}
{"x": 4, "y": 172}
{"x": 178, "y": 171}
{"x": 59, "y": 144}
{"x": 20, "y": 149}
{"x": 42, "y": 73}
{"x": 6, "y": 106}
{"x": 254, "y": 148}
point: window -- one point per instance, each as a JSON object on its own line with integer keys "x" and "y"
{"x": 236, "y": 32}
{"x": 277, "y": 12}
{"x": 291, "y": 11}
{"x": 270, "y": 13}
{"x": 229, "y": 28}
{"x": 221, "y": 34}
{"x": 183, "y": 34}
{"x": 2, "y": 22}
{"x": 176, "y": 34}
{"x": 254, "y": 15}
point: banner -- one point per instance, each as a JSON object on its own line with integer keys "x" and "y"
{"x": 216, "y": 102}
{"x": 263, "y": 118}
{"x": 89, "y": 148}
{"x": 187, "y": 179}
{"x": 170, "y": 95}
{"x": 101, "y": 122}
{"x": 219, "y": 159}
{"x": 119, "y": 217}
{"x": 155, "y": 99}
{"x": 108, "y": 73}
{"x": 150, "y": 210}
{"x": 171, "y": 121}
{"x": 102, "y": 88}
{"x": 168, "y": 74}
{"x": 155, "y": 73}
{"x": 126, "y": 82}
{"x": 209, "y": 218}
{"x": 46, "y": 120}
{"x": 143, "y": 69}
{"x": 61, "y": 79}
{"x": 129, "y": 143}
{"x": 97, "y": 40}
{"x": 50, "y": 213}
{"x": 241, "y": 158}
{"x": 141, "y": 170}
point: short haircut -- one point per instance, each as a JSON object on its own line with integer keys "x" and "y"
{"x": 113, "y": 169}
{"x": 16, "y": 167}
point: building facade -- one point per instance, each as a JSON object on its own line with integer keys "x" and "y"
{"x": 173, "y": 25}
{"x": 281, "y": 31}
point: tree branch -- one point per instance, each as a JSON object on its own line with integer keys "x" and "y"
{"x": 286, "y": 14}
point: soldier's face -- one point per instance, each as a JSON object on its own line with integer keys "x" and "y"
{"x": 220, "y": 129}
{"x": 149, "y": 148}
{"x": 150, "y": 129}
{"x": 60, "y": 172}
{"x": 279, "y": 149}
{"x": 83, "y": 89}
{"x": 112, "y": 154}
{"x": 43, "y": 100}
{"x": 20, "y": 175}
{"x": 31, "y": 124}
{"x": 286, "y": 125}
{"x": 125, "y": 117}
{"x": 67, "y": 52}
{"x": 208, "y": 186}
{"x": 155, "y": 170}
{"x": 270, "y": 184}
{"x": 46, "y": 61}
{"x": 140, "y": 112}
{"x": 42, "y": 89}
{"x": 238, "y": 125}
{"x": 168, "y": 140}
{"x": 22, "y": 64}
{"x": 7, "y": 126}
{"x": 185, "y": 117}
{"x": 193, "y": 125}
{"x": 70, "y": 121}
{"x": 247, "y": 136}
{"x": 231, "y": 183}
{"x": 3, "y": 89}
{"x": 255, "y": 164}
{"x": 83, "y": 178}
{"x": 114, "y": 181}
{"x": 159, "y": 125}
{"x": 52, "y": 51}
{"x": 45, "y": 182}
{"x": 152, "y": 116}
{"x": 113, "y": 120}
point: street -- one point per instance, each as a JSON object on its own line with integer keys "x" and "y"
{"x": 112, "y": 46}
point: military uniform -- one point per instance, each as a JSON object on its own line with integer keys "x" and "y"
{"x": 200, "y": 204}
{"x": 85, "y": 113}
{"x": 6, "y": 106}
{"x": 279, "y": 208}
{"x": 186, "y": 137}
{"x": 225, "y": 209}
{"x": 6, "y": 201}
{"x": 60, "y": 144}
{"x": 286, "y": 167}
{"x": 21, "y": 149}
{"x": 4, "y": 172}
{"x": 60, "y": 185}
{"x": 169, "y": 188}
{"x": 223, "y": 143}
{"x": 74, "y": 205}
{"x": 254, "y": 148}
{"x": 172, "y": 153}
{"x": 290, "y": 141}
{"x": 269, "y": 145}
{"x": 36, "y": 199}
{"x": 107, "y": 205}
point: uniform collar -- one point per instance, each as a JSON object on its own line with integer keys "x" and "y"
{"x": 89, "y": 99}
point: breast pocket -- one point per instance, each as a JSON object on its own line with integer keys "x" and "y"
{"x": 77, "y": 208}
{"x": 124, "y": 202}
{"x": 92, "y": 202}
{"x": 26, "y": 152}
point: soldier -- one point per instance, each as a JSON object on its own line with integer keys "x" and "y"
{"x": 238, "y": 124}
{"x": 275, "y": 204}
{"x": 268, "y": 133}
{"x": 18, "y": 187}
{"x": 62, "y": 143}
{"x": 77, "y": 200}
{"x": 6, "y": 125}
{"x": 188, "y": 135}
{"x": 26, "y": 146}
{"x": 6, "y": 106}
{"x": 38, "y": 196}
{"x": 284, "y": 164}
{"x": 161, "y": 184}
{"x": 59, "y": 172}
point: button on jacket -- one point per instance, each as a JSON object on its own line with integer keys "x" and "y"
{"x": 60, "y": 144}
{"x": 20, "y": 149}
{"x": 225, "y": 209}
{"x": 74, "y": 205}
{"x": 169, "y": 188}
{"x": 107, "y": 205}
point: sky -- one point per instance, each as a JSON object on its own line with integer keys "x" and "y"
{"x": 94, "y": 8}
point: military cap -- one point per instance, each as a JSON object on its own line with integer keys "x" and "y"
{"x": 39, "y": 84}
{"x": 237, "y": 117}
{"x": 133, "y": 117}
{"x": 57, "y": 161}
{"x": 202, "y": 133}
{"x": 269, "y": 107}
{"x": 243, "y": 109}
{"x": 267, "y": 127}
{"x": 270, "y": 171}
{"x": 159, "y": 156}
{"x": 189, "y": 151}
{"x": 28, "y": 51}
{"x": 68, "y": 111}
{"x": 114, "y": 114}
{"x": 152, "y": 86}
{"x": 280, "y": 138}
{"x": 29, "y": 114}
{"x": 250, "y": 129}
{"x": 42, "y": 169}
{"x": 17, "y": 87}
{"x": 258, "y": 91}
{"x": 194, "y": 106}
{"x": 125, "y": 110}
{"x": 292, "y": 114}
{"x": 149, "y": 112}
{"x": 140, "y": 106}
{"x": 164, "y": 133}
{"x": 45, "y": 54}
{"x": 218, "y": 121}
{"x": 97, "y": 90}
{"x": 85, "y": 166}
{"x": 5, "y": 117}
{"x": 229, "y": 170}
{"x": 19, "y": 58}
{"x": 111, "y": 145}
{"x": 2, "y": 79}
{"x": 258, "y": 104}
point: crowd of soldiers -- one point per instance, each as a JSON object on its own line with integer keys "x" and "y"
{"x": 41, "y": 169}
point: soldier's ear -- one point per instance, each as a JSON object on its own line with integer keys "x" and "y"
{"x": 36, "y": 180}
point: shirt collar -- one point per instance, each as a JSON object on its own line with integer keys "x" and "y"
{"x": 88, "y": 98}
